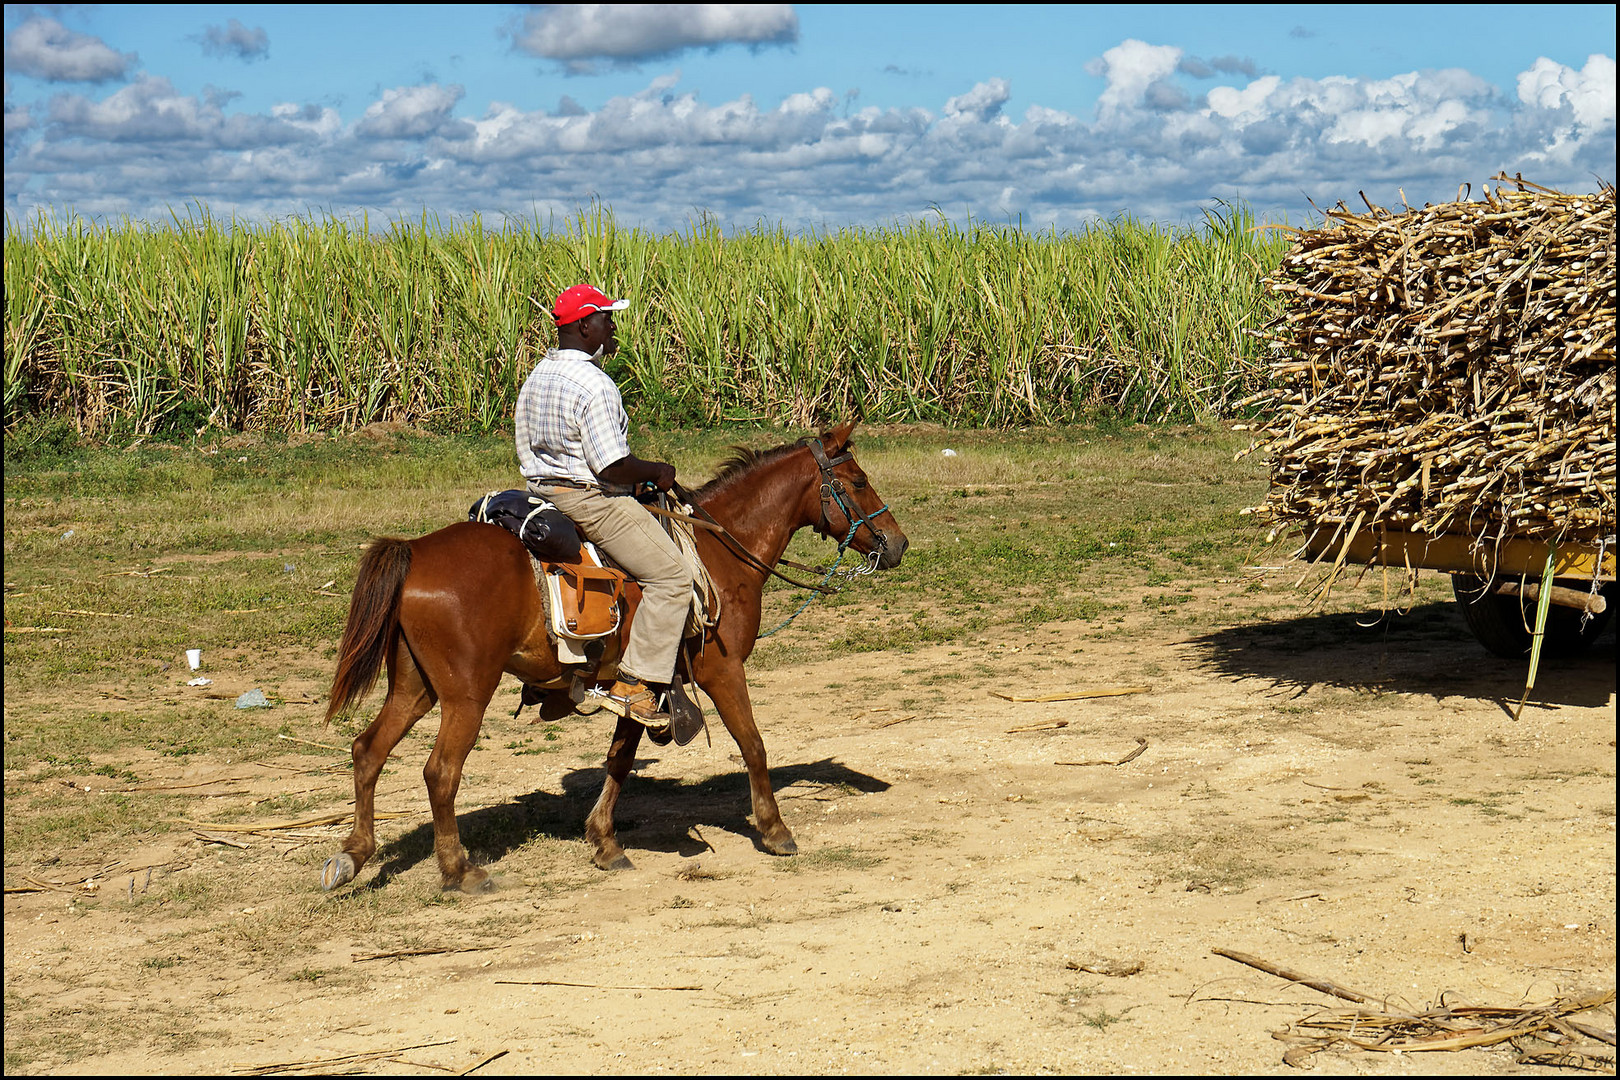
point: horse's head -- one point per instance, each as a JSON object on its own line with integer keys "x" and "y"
{"x": 852, "y": 512}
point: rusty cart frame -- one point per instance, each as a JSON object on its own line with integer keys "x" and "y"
{"x": 1497, "y": 583}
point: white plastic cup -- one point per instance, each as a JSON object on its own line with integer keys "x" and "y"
{"x": 194, "y": 658}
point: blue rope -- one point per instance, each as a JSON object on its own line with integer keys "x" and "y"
{"x": 843, "y": 547}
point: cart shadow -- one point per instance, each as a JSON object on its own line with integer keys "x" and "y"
{"x": 1428, "y": 651}
{"x": 656, "y": 814}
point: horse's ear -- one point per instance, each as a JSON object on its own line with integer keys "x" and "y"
{"x": 835, "y": 440}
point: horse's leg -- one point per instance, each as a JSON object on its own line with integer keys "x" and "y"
{"x": 461, "y": 717}
{"x": 728, "y": 688}
{"x": 409, "y": 699}
{"x": 609, "y": 855}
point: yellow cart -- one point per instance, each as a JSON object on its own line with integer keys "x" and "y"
{"x": 1498, "y": 585}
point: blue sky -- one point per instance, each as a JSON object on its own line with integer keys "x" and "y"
{"x": 808, "y": 116}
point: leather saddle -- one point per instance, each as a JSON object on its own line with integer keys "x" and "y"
{"x": 585, "y": 604}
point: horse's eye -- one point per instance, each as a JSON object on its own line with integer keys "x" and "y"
{"x": 860, "y": 485}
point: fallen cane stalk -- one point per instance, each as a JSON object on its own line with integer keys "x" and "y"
{"x": 1324, "y": 985}
{"x": 1541, "y": 628}
{"x": 479, "y": 1065}
{"x": 307, "y": 742}
{"x": 1048, "y": 725}
{"x": 1141, "y": 745}
{"x": 590, "y": 986}
{"x": 358, "y": 959}
{"x": 1076, "y": 695}
{"x": 1440, "y": 1029}
{"x": 896, "y": 720}
{"x": 341, "y": 1059}
{"x": 327, "y": 819}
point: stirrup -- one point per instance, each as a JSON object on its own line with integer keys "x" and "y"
{"x": 532, "y": 695}
{"x": 639, "y": 706}
{"x": 686, "y": 716}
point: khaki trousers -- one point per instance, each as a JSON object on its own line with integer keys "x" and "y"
{"x": 624, "y": 530}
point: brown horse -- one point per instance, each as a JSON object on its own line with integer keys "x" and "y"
{"x": 449, "y": 612}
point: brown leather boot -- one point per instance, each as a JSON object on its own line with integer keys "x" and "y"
{"x": 633, "y": 699}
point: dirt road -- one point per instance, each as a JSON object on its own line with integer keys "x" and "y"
{"x": 1353, "y": 804}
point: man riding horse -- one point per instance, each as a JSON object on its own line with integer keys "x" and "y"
{"x": 573, "y": 448}
{"x": 450, "y": 613}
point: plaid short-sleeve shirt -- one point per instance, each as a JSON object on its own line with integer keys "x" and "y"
{"x": 570, "y": 420}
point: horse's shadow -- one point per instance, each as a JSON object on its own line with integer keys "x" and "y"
{"x": 662, "y": 814}
{"x": 1427, "y": 651}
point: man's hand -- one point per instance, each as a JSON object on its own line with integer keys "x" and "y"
{"x": 630, "y": 470}
{"x": 666, "y": 476}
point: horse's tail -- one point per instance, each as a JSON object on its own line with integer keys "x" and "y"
{"x": 373, "y": 622}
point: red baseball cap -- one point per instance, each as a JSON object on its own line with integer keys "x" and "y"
{"x": 582, "y": 300}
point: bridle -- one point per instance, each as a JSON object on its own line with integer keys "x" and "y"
{"x": 832, "y": 490}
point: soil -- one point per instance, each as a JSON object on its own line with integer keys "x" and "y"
{"x": 1356, "y": 805}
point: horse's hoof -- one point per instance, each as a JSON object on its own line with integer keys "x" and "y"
{"x": 621, "y": 861}
{"x": 338, "y": 870}
{"x": 782, "y": 847}
{"x": 474, "y": 882}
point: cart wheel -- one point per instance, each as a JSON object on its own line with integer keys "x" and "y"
{"x": 1503, "y": 624}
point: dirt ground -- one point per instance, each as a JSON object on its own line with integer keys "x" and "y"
{"x": 1357, "y": 805}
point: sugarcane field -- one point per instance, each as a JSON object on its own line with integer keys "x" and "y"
{"x": 1199, "y": 657}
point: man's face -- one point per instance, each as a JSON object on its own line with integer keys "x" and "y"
{"x": 599, "y": 330}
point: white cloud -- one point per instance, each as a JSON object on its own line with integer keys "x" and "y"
{"x": 150, "y": 110}
{"x": 1429, "y": 127}
{"x": 235, "y": 40}
{"x": 982, "y": 103}
{"x": 19, "y": 119}
{"x": 322, "y": 122}
{"x": 45, "y": 49}
{"x": 1133, "y": 70}
{"x": 1415, "y": 108}
{"x": 1367, "y": 126}
{"x": 1590, "y": 92}
{"x": 410, "y": 112}
{"x": 1245, "y": 106}
{"x": 1041, "y": 116}
{"x": 578, "y": 34}
{"x": 660, "y": 155}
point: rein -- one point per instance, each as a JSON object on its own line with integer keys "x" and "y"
{"x": 705, "y": 520}
{"x": 832, "y": 489}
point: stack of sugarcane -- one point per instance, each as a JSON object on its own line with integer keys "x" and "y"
{"x": 1449, "y": 369}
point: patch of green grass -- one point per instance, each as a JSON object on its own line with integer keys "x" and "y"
{"x": 549, "y": 736}
{"x": 843, "y": 857}
{"x": 43, "y": 821}
{"x": 1229, "y": 858}
{"x": 1056, "y": 566}
{"x": 1489, "y": 804}
{"x": 70, "y": 736}
{"x": 1102, "y": 1019}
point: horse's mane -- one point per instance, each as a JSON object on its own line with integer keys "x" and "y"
{"x": 743, "y": 460}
